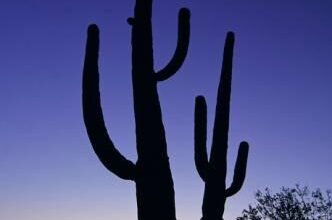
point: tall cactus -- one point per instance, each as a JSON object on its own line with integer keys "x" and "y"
{"x": 151, "y": 172}
{"x": 213, "y": 170}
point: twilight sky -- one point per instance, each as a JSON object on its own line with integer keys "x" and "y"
{"x": 281, "y": 101}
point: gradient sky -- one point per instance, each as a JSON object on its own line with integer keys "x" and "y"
{"x": 281, "y": 101}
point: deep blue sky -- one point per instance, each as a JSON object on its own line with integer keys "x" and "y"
{"x": 281, "y": 101}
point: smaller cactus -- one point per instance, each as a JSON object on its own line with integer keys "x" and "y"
{"x": 213, "y": 170}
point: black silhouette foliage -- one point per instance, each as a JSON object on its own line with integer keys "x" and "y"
{"x": 297, "y": 203}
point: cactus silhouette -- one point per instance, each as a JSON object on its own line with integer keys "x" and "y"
{"x": 151, "y": 172}
{"x": 213, "y": 170}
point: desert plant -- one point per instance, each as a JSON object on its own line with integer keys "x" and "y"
{"x": 296, "y": 203}
{"x": 151, "y": 172}
{"x": 213, "y": 170}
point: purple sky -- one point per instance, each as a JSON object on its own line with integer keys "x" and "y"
{"x": 281, "y": 101}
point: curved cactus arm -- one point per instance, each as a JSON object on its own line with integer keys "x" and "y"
{"x": 221, "y": 121}
{"x": 181, "y": 49}
{"x": 240, "y": 169}
{"x": 201, "y": 158}
{"x": 93, "y": 116}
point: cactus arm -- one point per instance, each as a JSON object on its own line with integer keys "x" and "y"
{"x": 201, "y": 158}
{"x": 181, "y": 49}
{"x": 221, "y": 122}
{"x": 93, "y": 116}
{"x": 240, "y": 169}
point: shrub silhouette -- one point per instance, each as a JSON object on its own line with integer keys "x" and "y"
{"x": 213, "y": 170}
{"x": 151, "y": 172}
{"x": 296, "y": 203}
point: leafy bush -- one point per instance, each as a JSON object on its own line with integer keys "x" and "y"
{"x": 298, "y": 203}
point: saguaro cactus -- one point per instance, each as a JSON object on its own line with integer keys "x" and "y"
{"x": 151, "y": 172}
{"x": 213, "y": 170}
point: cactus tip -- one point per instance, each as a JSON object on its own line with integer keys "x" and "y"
{"x": 244, "y": 145}
{"x": 185, "y": 12}
{"x": 230, "y": 36}
{"x": 93, "y": 29}
{"x": 200, "y": 99}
